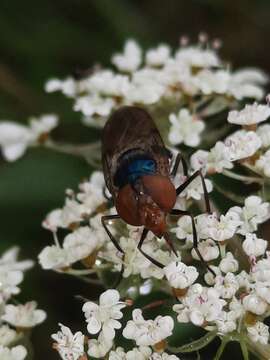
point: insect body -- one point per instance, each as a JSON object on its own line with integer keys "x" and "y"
{"x": 137, "y": 172}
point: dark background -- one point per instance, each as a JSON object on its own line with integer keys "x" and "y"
{"x": 45, "y": 38}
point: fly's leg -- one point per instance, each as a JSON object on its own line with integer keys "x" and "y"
{"x": 182, "y": 187}
{"x": 109, "y": 198}
{"x": 155, "y": 262}
{"x": 179, "y": 158}
{"x": 115, "y": 243}
{"x": 170, "y": 243}
{"x": 195, "y": 237}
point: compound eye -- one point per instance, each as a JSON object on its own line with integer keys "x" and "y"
{"x": 127, "y": 206}
{"x": 161, "y": 190}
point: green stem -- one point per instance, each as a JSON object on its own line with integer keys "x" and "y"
{"x": 221, "y": 349}
{"x": 244, "y": 178}
{"x": 262, "y": 352}
{"x": 222, "y": 250}
{"x": 244, "y": 349}
{"x": 194, "y": 345}
{"x": 235, "y": 198}
{"x": 90, "y": 152}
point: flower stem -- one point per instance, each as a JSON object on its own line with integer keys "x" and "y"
{"x": 221, "y": 349}
{"x": 262, "y": 352}
{"x": 244, "y": 178}
{"x": 90, "y": 152}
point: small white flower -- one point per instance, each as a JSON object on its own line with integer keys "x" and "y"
{"x": 226, "y": 286}
{"x": 185, "y": 128}
{"x": 106, "y": 83}
{"x": 72, "y": 212}
{"x": 163, "y": 356}
{"x": 146, "y": 93}
{"x": 14, "y": 140}
{"x": 53, "y": 257}
{"x": 244, "y": 280}
{"x": 24, "y": 316}
{"x": 263, "y": 163}
{"x": 209, "y": 277}
{"x": 9, "y": 261}
{"x": 53, "y": 220}
{"x": 118, "y": 354}
{"x": 258, "y": 333}
{"x": 200, "y": 305}
{"x": 16, "y": 353}
{"x": 141, "y": 353}
{"x": 184, "y": 229}
{"x": 195, "y": 189}
{"x": 68, "y": 86}
{"x": 80, "y": 244}
{"x": 251, "y": 114}
{"x": 158, "y": 56}
{"x": 218, "y": 229}
{"x": 219, "y": 158}
{"x": 236, "y": 307}
{"x": 91, "y": 105}
{"x": 179, "y": 275}
{"x": 148, "y": 332}
{"x": 210, "y": 82}
{"x": 43, "y": 125}
{"x": 9, "y": 279}
{"x": 246, "y": 83}
{"x": 199, "y": 159}
{"x": 261, "y": 270}
{"x": 7, "y": 335}
{"x": 98, "y": 348}
{"x": 208, "y": 249}
{"x": 226, "y": 322}
{"x": 255, "y": 304}
{"x": 228, "y": 263}
{"x": 197, "y": 57}
{"x": 69, "y": 346}
{"x": 242, "y": 144}
{"x": 130, "y": 59}
{"x": 263, "y": 290}
{"x": 263, "y": 132}
{"x": 254, "y": 246}
{"x": 104, "y": 316}
{"x": 91, "y": 192}
{"x": 254, "y": 212}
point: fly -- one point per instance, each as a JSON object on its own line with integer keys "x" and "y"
{"x": 137, "y": 171}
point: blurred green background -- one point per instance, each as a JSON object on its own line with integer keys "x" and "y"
{"x": 45, "y": 38}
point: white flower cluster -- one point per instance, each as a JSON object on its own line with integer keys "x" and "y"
{"x": 103, "y": 319}
{"x": 197, "y": 102}
{"x": 84, "y": 241}
{"x": 249, "y": 145}
{"x": 15, "y": 319}
{"x": 157, "y": 76}
{"x": 15, "y": 138}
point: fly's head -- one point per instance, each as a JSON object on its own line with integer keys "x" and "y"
{"x": 147, "y": 202}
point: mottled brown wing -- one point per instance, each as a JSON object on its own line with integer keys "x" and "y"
{"x": 131, "y": 128}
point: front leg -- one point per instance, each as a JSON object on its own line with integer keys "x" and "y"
{"x": 182, "y": 187}
{"x": 155, "y": 262}
{"x": 179, "y": 212}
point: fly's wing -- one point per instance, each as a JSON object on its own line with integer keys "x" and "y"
{"x": 130, "y": 128}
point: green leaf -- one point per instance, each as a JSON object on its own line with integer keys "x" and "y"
{"x": 195, "y": 345}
